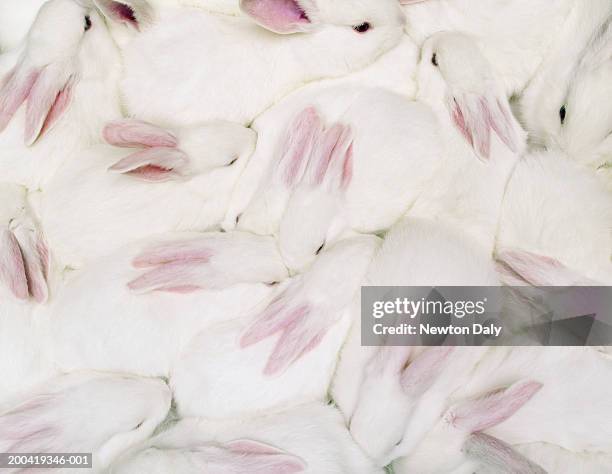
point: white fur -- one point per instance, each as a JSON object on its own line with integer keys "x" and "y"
{"x": 15, "y": 21}
{"x": 58, "y": 37}
{"x": 59, "y": 416}
{"x": 515, "y": 36}
{"x": 553, "y": 207}
{"x": 313, "y": 432}
{"x": 88, "y": 212}
{"x": 567, "y": 375}
{"x": 242, "y": 69}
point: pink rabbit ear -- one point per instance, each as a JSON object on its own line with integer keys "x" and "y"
{"x": 14, "y": 92}
{"x": 477, "y": 117}
{"x": 131, "y": 133}
{"x": 133, "y": 13}
{"x": 493, "y": 408}
{"x": 419, "y": 376}
{"x": 499, "y": 456}
{"x": 331, "y": 162}
{"x": 48, "y": 100}
{"x": 24, "y": 261}
{"x": 48, "y": 93}
{"x": 27, "y": 427}
{"x": 518, "y": 267}
{"x": 254, "y": 457}
{"x": 279, "y": 16}
{"x": 154, "y": 164}
{"x": 36, "y": 262}
{"x": 297, "y": 146}
{"x": 12, "y": 266}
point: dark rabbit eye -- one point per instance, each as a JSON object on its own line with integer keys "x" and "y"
{"x": 87, "y": 23}
{"x": 139, "y": 425}
{"x": 434, "y": 59}
{"x": 320, "y": 249}
{"x": 562, "y": 113}
{"x": 233, "y": 161}
{"x": 362, "y": 28}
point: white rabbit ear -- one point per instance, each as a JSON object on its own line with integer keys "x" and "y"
{"x": 24, "y": 261}
{"x": 35, "y": 255}
{"x": 518, "y": 267}
{"x": 499, "y": 456}
{"x": 493, "y": 408}
{"x": 280, "y": 16}
{"x": 27, "y": 428}
{"x": 130, "y": 133}
{"x": 154, "y": 164}
{"x": 477, "y": 117}
{"x": 133, "y": 13}
{"x": 12, "y": 266}
{"x": 253, "y": 457}
{"x": 48, "y": 92}
{"x": 331, "y": 163}
{"x": 421, "y": 373}
{"x": 208, "y": 261}
{"x": 297, "y": 145}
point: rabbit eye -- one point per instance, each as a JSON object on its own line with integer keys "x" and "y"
{"x": 139, "y": 425}
{"x": 87, "y": 22}
{"x": 238, "y": 218}
{"x": 562, "y": 113}
{"x": 434, "y": 59}
{"x": 399, "y": 442}
{"x": 233, "y": 161}
{"x": 362, "y": 28}
{"x": 320, "y": 249}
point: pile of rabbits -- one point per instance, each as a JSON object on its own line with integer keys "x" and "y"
{"x": 193, "y": 193}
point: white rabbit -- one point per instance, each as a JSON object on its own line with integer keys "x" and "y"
{"x": 559, "y": 460}
{"x": 516, "y": 37}
{"x": 415, "y": 252}
{"x": 156, "y": 327}
{"x": 24, "y": 270}
{"x": 556, "y": 414}
{"x": 322, "y": 40}
{"x": 15, "y": 21}
{"x": 467, "y": 193}
{"x": 567, "y": 106}
{"x": 88, "y": 412}
{"x": 260, "y": 196}
{"x": 58, "y": 89}
{"x": 314, "y": 434}
{"x": 552, "y": 207}
{"x": 338, "y": 180}
{"x": 237, "y": 317}
{"x": 308, "y": 314}
{"x": 457, "y": 435}
{"x": 94, "y": 206}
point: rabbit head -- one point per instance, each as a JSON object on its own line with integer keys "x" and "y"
{"x": 24, "y": 256}
{"x": 390, "y": 390}
{"x": 375, "y": 24}
{"x": 457, "y": 81}
{"x": 86, "y": 412}
{"x": 313, "y": 217}
{"x": 458, "y": 437}
{"x": 576, "y": 117}
{"x": 68, "y": 44}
